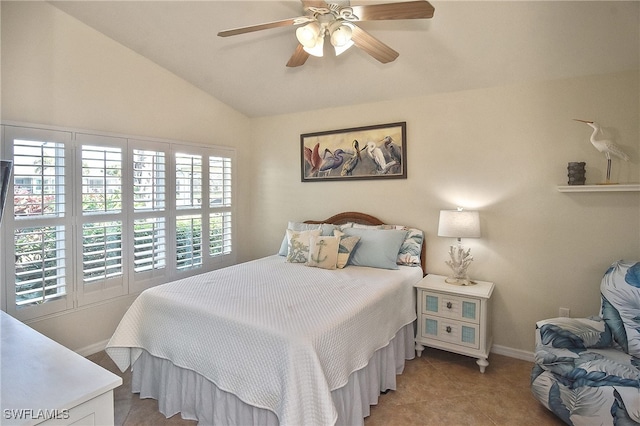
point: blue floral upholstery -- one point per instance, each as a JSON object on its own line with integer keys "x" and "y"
{"x": 587, "y": 370}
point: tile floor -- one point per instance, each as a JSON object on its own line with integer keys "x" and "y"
{"x": 439, "y": 388}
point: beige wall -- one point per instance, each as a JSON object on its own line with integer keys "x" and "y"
{"x": 57, "y": 71}
{"x": 502, "y": 151}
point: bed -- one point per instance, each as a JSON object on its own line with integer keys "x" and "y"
{"x": 275, "y": 341}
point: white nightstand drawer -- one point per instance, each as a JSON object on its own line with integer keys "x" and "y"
{"x": 448, "y": 306}
{"x": 456, "y": 332}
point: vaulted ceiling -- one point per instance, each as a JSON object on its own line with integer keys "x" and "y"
{"x": 466, "y": 45}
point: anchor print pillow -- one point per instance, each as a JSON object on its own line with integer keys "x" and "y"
{"x": 323, "y": 252}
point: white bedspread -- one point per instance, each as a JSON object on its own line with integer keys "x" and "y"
{"x": 280, "y": 336}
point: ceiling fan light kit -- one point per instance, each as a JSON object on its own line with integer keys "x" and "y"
{"x": 338, "y": 21}
{"x": 340, "y": 32}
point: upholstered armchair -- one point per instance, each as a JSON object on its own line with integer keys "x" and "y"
{"x": 587, "y": 370}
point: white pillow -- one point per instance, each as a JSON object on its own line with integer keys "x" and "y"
{"x": 299, "y": 244}
{"x": 323, "y": 252}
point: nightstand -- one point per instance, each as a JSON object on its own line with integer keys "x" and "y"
{"x": 454, "y": 318}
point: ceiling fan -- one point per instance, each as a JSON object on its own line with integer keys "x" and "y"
{"x": 338, "y": 20}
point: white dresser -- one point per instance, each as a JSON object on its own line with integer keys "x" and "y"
{"x": 454, "y": 318}
{"x": 42, "y": 382}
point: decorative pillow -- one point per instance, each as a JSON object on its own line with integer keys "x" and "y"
{"x": 620, "y": 290}
{"x": 411, "y": 247}
{"x": 346, "y": 247}
{"x": 327, "y": 229}
{"x": 323, "y": 252}
{"x": 409, "y": 253}
{"x": 299, "y": 244}
{"x": 378, "y": 248}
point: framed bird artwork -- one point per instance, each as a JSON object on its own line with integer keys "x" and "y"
{"x": 370, "y": 152}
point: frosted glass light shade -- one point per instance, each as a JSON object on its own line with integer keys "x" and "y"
{"x": 317, "y": 49}
{"x": 309, "y": 34}
{"x": 340, "y": 34}
{"x": 459, "y": 224}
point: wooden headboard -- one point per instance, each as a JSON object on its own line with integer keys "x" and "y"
{"x": 365, "y": 219}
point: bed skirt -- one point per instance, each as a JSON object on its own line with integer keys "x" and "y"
{"x": 183, "y": 391}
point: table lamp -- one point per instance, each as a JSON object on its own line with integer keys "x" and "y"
{"x": 459, "y": 224}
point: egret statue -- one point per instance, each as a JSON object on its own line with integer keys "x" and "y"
{"x": 604, "y": 145}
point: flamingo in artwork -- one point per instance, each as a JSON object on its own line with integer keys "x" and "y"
{"x": 312, "y": 157}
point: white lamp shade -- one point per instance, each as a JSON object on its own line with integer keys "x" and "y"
{"x": 459, "y": 224}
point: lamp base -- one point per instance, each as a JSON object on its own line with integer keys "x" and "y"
{"x": 459, "y": 263}
{"x": 459, "y": 281}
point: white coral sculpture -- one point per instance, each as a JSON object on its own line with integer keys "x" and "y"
{"x": 460, "y": 261}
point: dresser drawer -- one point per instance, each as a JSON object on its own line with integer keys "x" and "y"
{"x": 450, "y": 331}
{"x": 452, "y": 307}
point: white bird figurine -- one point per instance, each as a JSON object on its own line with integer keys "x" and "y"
{"x": 606, "y": 146}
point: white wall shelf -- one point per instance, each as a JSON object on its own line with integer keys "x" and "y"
{"x": 622, "y": 187}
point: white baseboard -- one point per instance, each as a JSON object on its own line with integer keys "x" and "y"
{"x": 513, "y": 353}
{"x": 93, "y": 348}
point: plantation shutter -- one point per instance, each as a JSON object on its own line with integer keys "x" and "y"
{"x": 40, "y": 226}
{"x": 189, "y": 225}
{"x": 220, "y": 190}
{"x": 150, "y": 214}
{"x": 101, "y": 161}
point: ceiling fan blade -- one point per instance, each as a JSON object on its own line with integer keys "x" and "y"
{"x": 259, "y": 27}
{"x": 373, "y": 46}
{"x": 420, "y": 9}
{"x": 298, "y": 58}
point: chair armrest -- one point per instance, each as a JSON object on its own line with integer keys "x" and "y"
{"x": 561, "y": 342}
{"x": 573, "y": 333}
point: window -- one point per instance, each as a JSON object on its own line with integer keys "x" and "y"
{"x": 97, "y": 217}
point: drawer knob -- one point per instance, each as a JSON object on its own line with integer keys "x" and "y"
{"x": 449, "y": 305}
{"x": 448, "y": 329}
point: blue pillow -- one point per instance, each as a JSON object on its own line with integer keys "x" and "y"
{"x": 378, "y": 248}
